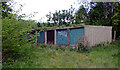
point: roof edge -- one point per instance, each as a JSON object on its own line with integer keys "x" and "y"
{"x": 62, "y": 27}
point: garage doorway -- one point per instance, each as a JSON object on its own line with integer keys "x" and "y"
{"x": 50, "y": 37}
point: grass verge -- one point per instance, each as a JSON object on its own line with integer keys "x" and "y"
{"x": 44, "y": 56}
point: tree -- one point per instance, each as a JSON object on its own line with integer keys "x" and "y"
{"x": 6, "y": 10}
{"x": 39, "y": 25}
{"x": 80, "y": 15}
{"x": 16, "y": 37}
{"x": 97, "y": 14}
{"x": 62, "y": 17}
{"x": 116, "y": 21}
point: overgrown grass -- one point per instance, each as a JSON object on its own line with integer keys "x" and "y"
{"x": 44, "y": 56}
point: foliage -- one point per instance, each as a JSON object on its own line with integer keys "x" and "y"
{"x": 97, "y": 14}
{"x": 62, "y": 17}
{"x": 43, "y": 46}
{"x": 6, "y": 10}
{"x": 60, "y": 48}
{"x": 39, "y": 57}
{"x": 15, "y": 33}
{"x": 82, "y": 44}
{"x": 80, "y": 15}
{"x": 39, "y": 25}
{"x": 116, "y": 20}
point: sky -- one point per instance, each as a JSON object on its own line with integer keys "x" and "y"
{"x": 42, "y": 7}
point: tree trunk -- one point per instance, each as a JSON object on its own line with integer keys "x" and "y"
{"x": 114, "y": 35}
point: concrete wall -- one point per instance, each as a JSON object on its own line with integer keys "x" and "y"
{"x": 75, "y": 34}
{"x": 96, "y": 34}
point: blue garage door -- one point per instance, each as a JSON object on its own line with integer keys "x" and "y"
{"x": 61, "y": 37}
{"x": 75, "y": 34}
{"x": 40, "y": 37}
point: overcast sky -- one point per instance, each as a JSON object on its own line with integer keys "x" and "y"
{"x": 43, "y": 7}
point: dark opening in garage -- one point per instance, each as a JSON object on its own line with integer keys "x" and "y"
{"x": 50, "y": 37}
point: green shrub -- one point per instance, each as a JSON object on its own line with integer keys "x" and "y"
{"x": 15, "y": 33}
{"x": 71, "y": 48}
{"x": 82, "y": 48}
{"x": 43, "y": 46}
{"x": 82, "y": 44}
{"x": 61, "y": 48}
{"x": 103, "y": 44}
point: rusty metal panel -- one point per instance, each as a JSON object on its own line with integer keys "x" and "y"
{"x": 97, "y": 34}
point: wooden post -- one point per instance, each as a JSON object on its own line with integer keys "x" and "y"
{"x": 68, "y": 35}
{"x": 45, "y": 37}
{"x": 55, "y": 36}
{"x": 36, "y": 35}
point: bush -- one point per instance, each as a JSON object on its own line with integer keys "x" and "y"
{"x": 82, "y": 44}
{"x": 15, "y": 34}
{"x": 43, "y": 45}
{"x": 60, "y": 48}
{"x": 103, "y": 44}
{"x": 71, "y": 48}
